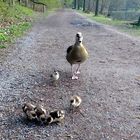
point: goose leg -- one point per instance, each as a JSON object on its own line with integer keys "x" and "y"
{"x": 73, "y": 74}
{"x": 77, "y": 71}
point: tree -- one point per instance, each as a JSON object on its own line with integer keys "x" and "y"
{"x": 74, "y": 4}
{"x": 88, "y": 5}
{"x": 78, "y": 4}
{"x": 84, "y": 5}
{"x": 97, "y": 8}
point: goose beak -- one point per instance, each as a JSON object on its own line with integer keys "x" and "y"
{"x": 80, "y": 39}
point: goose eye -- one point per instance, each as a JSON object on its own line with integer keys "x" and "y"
{"x": 77, "y": 35}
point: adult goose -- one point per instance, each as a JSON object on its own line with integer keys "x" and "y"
{"x": 76, "y": 54}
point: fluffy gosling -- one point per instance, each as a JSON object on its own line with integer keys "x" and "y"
{"x": 75, "y": 101}
{"x": 41, "y": 113}
{"x": 56, "y": 116}
{"x": 29, "y": 111}
{"x": 55, "y": 75}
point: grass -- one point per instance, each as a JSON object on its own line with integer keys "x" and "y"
{"x": 120, "y": 24}
{"x": 13, "y": 22}
{"x": 12, "y": 31}
{"x": 2, "y": 47}
{"x": 103, "y": 19}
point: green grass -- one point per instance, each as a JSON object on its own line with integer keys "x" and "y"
{"x": 120, "y": 24}
{"x": 103, "y": 19}
{"x": 134, "y": 31}
{"x": 2, "y": 47}
{"x": 14, "y": 13}
{"x": 10, "y": 33}
{"x": 13, "y": 22}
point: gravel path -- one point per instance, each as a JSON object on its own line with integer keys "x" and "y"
{"x": 109, "y": 83}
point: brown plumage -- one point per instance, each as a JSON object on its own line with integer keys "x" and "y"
{"x": 77, "y": 54}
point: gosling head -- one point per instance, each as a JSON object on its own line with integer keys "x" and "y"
{"x": 28, "y": 107}
{"x": 49, "y": 120}
{"x": 61, "y": 113}
{"x": 42, "y": 118}
{"x": 31, "y": 115}
{"x": 79, "y": 37}
{"x": 41, "y": 113}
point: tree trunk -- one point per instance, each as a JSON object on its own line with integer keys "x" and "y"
{"x": 26, "y": 3}
{"x": 139, "y": 21}
{"x": 34, "y": 6}
{"x": 74, "y": 4}
{"x": 97, "y": 8}
{"x": 78, "y": 4}
{"x": 109, "y": 10}
{"x": 102, "y": 7}
{"x": 44, "y": 7}
{"x": 19, "y": 1}
{"x": 84, "y": 5}
{"x": 88, "y": 5}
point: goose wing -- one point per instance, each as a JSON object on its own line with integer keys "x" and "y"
{"x": 69, "y": 49}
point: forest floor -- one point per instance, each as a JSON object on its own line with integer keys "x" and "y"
{"x": 109, "y": 83}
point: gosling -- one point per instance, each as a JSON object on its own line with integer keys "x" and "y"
{"x": 56, "y": 116}
{"x": 29, "y": 111}
{"x": 76, "y": 54}
{"x": 55, "y": 76}
{"x": 75, "y": 101}
{"x": 41, "y": 113}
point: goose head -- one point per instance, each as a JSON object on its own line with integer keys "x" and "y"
{"x": 79, "y": 37}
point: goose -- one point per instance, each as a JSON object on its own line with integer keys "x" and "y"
{"x": 76, "y": 54}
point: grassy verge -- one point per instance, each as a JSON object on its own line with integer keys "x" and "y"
{"x": 120, "y": 24}
{"x": 9, "y": 33}
{"x": 13, "y": 22}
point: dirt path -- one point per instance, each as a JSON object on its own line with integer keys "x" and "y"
{"x": 109, "y": 83}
